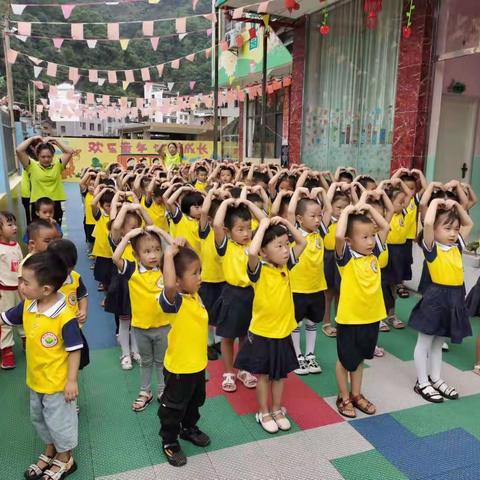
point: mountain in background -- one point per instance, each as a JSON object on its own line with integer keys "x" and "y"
{"x": 109, "y": 55}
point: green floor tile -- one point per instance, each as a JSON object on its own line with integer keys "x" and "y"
{"x": 370, "y": 465}
{"x": 431, "y": 419}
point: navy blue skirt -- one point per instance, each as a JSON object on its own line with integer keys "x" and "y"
{"x": 442, "y": 312}
{"x": 117, "y": 300}
{"x": 332, "y": 275}
{"x": 103, "y": 270}
{"x": 388, "y": 298}
{"x": 394, "y": 272}
{"x": 473, "y": 300}
{"x": 232, "y": 312}
{"x": 274, "y": 357}
{"x": 210, "y": 293}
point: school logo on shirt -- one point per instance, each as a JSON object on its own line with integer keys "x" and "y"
{"x": 72, "y": 299}
{"x": 49, "y": 340}
{"x": 374, "y": 265}
{"x": 318, "y": 243}
{"x": 401, "y": 222}
{"x": 14, "y": 264}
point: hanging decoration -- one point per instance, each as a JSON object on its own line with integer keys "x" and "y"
{"x": 407, "y": 29}
{"x": 372, "y": 8}
{"x": 324, "y": 27}
{"x": 291, "y": 5}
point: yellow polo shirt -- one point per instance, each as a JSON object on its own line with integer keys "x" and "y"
{"x": 46, "y": 182}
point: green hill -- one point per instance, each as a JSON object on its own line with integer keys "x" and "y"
{"x": 109, "y": 55}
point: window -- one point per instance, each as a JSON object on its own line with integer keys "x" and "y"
{"x": 273, "y": 122}
{"x": 62, "y": 129}
{"x": 92, "y": 127}
{"x": 83, "y": 125}
{"x": 99, "y": 127}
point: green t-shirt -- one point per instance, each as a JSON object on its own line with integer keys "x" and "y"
{"x": 25, "y": 185}
{"x": 46, "y": 182}
{"x": 172, "y": 161}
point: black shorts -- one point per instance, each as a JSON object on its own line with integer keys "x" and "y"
{"x": 88, "y": 229}
{"x": 356, "y": 343}
{"x": 309, "y": 305}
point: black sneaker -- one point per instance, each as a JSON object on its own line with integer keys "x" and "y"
{"x": 218, "y": 348}
{"x": 174, "y": 454}
{"x": 195, "y": 436}
{"x": 212, "y": 353}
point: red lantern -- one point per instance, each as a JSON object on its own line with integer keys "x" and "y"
{"x": 324, "y": 30}
{"x": 372, "y": 8}
{"x": 291, "y": 5}
{"x": 252, "y": 32}
{"x": 407, "y": 31}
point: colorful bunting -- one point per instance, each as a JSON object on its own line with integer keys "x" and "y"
{"x": 112, "y": 76}
{"x": 73, "y": 73}
{"x": 181, "y": 25}
{"x": 77, "y": 31}
{"x": 67, "y": 10}
{"x": 170, "y": 85}
{"x": 18, "y": 9}
{"x": 125, "y": 84}
{"x": 194, "y": 4}
{"x": 154, "y": 42}
{"x": 160, "y": 70}
{"x": 91, "y": 43}
{"x": 57, "y": 42}
{"x": 145, "y": 74}
{"x": 192, "y": 84}
{"x": 35, "y": 60}
{"x": 113, "y": 31}
{"x": 147, "y": 27}
{"x": 22, "y": 38}
{"x": 93, "y": 76}
{"x": 175, "y": 64}
{"x": 129, "y": 76}
{"x": 124, "y": 43}
{"x": 12, "y": 56}
{"x": 38, "y": 84}
{"x": 24, "y": 28}
{"x": 263, "y": 7}
{"x": 190, "y": 57}
{"x": 37, "y": 71}
{"x": 51, "y": 69}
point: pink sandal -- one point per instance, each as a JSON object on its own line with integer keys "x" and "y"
{"x": 228, "y": 384}
{"x": 248, "y": 380}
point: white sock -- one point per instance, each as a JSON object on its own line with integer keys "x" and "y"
{"x": 310, "y": 336}
{"x": 211, "y": 335}
{"x": 436, "y": 359}
{"x": 296, "y": 340}
{"x": 421, "y": 355}
{"x": 216, "y": 337}
{"x": 124, "y": 337}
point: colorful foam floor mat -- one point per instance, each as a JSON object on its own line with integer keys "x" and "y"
{"x": 406, "y": 439}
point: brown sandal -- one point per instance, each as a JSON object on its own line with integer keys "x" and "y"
{"x": 342, "y": 407}
{"x": 367, "y": 407}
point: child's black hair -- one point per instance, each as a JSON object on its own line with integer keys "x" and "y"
{"x": 346, "y": 175}
{"x": 136, "y": 240}
{"x": 191, "y": 199}
{"x": 7, "y": 217}
{"x": 303, "y": 204}
{"x": 255, "y": 198}
{"x": 273, "y": 232}
{"x": 356, "y": 218}
{"x": 48, "y": 268}
{"x": 158, "y": 191}
{"x": 36, "y": 226}
{"x": 340, "y": 195}
{"x": 451, "y": 216}
{"x": 393, "y": 192}
{"x": 226, "y": 167}
{"x": 202, "y": 169}
{"x": 236, "y": 213}
{"x": 406, "y": 177}
{"x": 107, "y": 197}
{"x": 66, "y": 250}
{"x": 235, "y": 192}
{"x": 216, "y": 202}
{"x": 183, "y": 259}
{"x": 311, "y": 183}
{"x": 44, "y": 201}
{"x": 44, "y": 146}
{"x": 292, "y": 179}
{"x": 364, "y": 180}
{"x": 260, "y": 177}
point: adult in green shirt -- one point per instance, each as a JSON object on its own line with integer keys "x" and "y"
{"x": 171, "y": 155}
{"x": 36, "y": 154}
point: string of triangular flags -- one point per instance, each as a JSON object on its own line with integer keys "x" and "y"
{"x": 112, "y": 75}
{"x": 208, "y": 16}
{"x": 67, "y": 9}
{"x": 77, "y": 35}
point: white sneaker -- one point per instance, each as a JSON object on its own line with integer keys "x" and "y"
{"x": 302, "y": 366}
{"x": 445, "y": 347}
{"x": 126, "y": 363}
{"x": 280, "y": 417}
{"x": 269, "y": 426}
{"x": 136, "y": 358}
{"x": 312, "y": 364}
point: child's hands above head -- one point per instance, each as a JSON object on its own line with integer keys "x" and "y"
{"x": 134, "y": 233}
{"x": 180, "y": 242}
{"x": 450, "y": 203}
{"x": 316, "y": 192}
{"x": 264, "y": 223}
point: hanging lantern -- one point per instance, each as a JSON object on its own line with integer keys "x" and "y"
{"x": 407, "y": 29}
{"x": 324, "y": 28}
{"x": 291, "y": 5}
{"x": 372, "y": 8}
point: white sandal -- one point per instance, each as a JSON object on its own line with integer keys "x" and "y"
{"x": 126, "y": 362}
{"x": 280, "y": 417}
{"x": 65, "y": 469}
{"x": 34, "y": 471}
{"x": 270, "y": 426}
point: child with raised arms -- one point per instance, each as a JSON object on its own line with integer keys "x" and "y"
{"x": 186, "y": 356}
{"x": 149, "y": 323}
{"x": 232, "y": 227}
{"x": 311, "y": 211}
{"x": 442, "y": 312}
{"x": 268, "y": 351}
{"x": 359, "y": 240}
